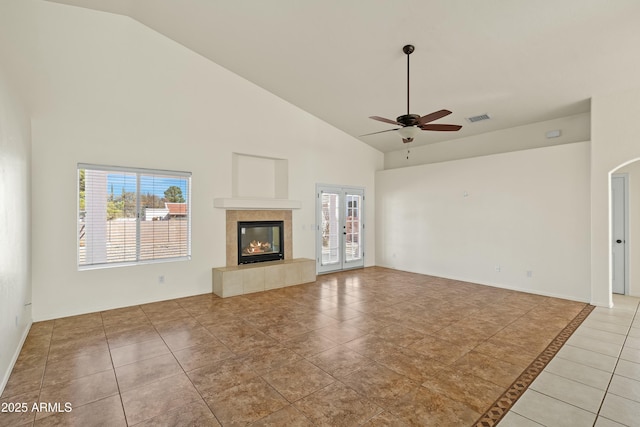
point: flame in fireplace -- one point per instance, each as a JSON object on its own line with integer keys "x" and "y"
{"x": 257, "y": 247}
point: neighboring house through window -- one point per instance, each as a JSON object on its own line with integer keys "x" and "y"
{"x": 132, "y": 216}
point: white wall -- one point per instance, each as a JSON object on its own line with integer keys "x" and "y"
{"x": 523, "y": 211}
{"x": 615, "y": 142}
{"x": 573, "y": 129}
{"x": 633, "y": 172}
{"x": 15, "y": 227}
{"x": 115, "y": 92}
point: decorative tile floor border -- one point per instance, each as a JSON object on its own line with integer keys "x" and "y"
{"x": 500, "y": 407}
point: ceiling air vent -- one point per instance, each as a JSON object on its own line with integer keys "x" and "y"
{"x": 479, "y": 118}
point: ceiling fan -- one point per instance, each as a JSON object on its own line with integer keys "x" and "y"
{"x": 411, "y": 124}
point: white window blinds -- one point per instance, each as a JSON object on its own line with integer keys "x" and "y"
{"x": 128, "y": 215}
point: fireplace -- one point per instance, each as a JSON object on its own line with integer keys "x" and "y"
{"x": 260, "y": 241}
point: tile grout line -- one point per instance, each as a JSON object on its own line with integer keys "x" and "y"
{"x": 605, "y": 391}
{"x": 42, "y": 386}
{"x": 178, "y": 362}
{"x": 170, "y": 352}
{"x": 507, "y": 400}
{"x": 261, "y": 376}
{"x": 114, "y": 369}
{"x": 44, "y": 371}
{"x": 613, "y": 373}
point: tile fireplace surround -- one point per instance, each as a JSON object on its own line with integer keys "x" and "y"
{"x": 233, "y": 217}
{"x": 237, "y": 279}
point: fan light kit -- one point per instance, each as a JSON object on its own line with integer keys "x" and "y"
{"x": 411, "y": 124}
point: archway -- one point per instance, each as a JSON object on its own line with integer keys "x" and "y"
{"x": 628, "y": 172}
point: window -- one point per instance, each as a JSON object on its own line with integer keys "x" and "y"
{"x": 132, "y": 216}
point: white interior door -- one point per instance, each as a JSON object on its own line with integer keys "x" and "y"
{"x": 618, "y": 233}
{"x": 340, "y": 233}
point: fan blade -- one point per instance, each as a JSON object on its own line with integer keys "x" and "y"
{"x": 382, "y": 131}
{"x": 441, "y": 128}
{"x": 382, "y": 119}
{"x": 433, "y": 116}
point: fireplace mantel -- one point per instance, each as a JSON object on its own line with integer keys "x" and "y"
{"x": 260, "y": 204}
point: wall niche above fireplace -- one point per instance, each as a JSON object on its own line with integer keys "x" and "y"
{"x": 258, "y": 182}
{"x": 260, "y": 241}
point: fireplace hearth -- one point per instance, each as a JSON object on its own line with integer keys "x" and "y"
{"x": 260, "y": 241}
{"x": 244, "y": 276}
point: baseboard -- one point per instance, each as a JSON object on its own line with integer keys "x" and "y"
{"x": 14, "y": 359}
{"x": 499, "y": 285}
{"x": 531, "y": 291}
{"x": 605, "y": 304}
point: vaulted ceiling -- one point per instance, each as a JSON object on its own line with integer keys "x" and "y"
{"x": 519, "y": 61}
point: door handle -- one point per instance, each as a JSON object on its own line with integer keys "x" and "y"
{"x": 618, "y": 241}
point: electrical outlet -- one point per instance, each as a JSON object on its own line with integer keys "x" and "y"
{"x": 498, "y": 268}
{"x": 161, "y": 279}
{"x": 529, "y": 273}
{"x": 16, "y": 320}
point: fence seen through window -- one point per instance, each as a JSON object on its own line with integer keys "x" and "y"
{"x": 128, "y": 215}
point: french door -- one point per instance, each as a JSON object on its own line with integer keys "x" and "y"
{"x": 340, "y": 230}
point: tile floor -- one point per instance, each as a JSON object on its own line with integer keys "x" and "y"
{"x": 367, "y": 347}
{"x": 594, "y": 379}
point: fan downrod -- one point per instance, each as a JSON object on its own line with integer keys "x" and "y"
{"x": 408, "y": 49}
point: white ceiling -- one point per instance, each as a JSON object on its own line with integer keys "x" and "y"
{"x": 520, "y": 61}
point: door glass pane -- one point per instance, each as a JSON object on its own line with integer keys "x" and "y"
{"x": 353, "y": 249}
{"x": 330, "y": 228}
